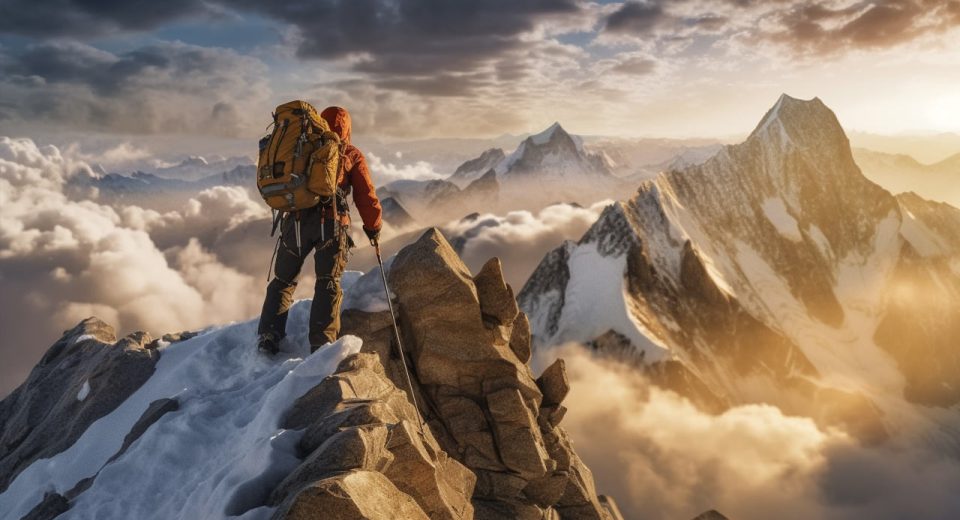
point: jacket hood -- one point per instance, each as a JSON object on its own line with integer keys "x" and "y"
{"x": 339, "y": 121}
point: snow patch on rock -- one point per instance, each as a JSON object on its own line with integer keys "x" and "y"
{"x": 596, "y": 303}
{"x": 84, "y": 391}
{"x": 777, "y": 214}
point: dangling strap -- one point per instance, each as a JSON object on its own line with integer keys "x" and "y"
{"x": 273, "y": 257}
{"x": 297, "y": 231}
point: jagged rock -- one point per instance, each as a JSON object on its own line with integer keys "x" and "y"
{"x": 360, "y": 447}
{"x": 579, "y": 496}
{"x": 371, "y": 425}
{"x": 441, "y": 485}
{"x": 440, "y": 309}
{"x": 610, "y": 507}
{"x": 376, "y": 329}
{"x": 500, "y": 510}
{"x": 474, "y": 376}
{"x": 467, "y": 423}
{"x": 81, "y": 378}
{"x": 175, "y": 337}
{"x": 548, "y": 490}
{"x": 352, "y": 414}
{"x": 52, "y": 506}
{"x": 554, "y": 383}
{"x": 358, "y": 379}
{"x": 356, "y": 495}
{"x": 517, "y": 433}
{"x": 550, "y": 416}
{"x": 520, "y": 338}
{"x": 496, "y": 297}
{"x": 152, "y": 414}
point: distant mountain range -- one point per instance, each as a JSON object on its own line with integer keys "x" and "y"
{"x": 552, "y": 152}
{"x": 900, "y": 173}
{"x": 151, "y": 190}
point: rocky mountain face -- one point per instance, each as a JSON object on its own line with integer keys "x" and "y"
{"x": 436, "y": 201}
{"x": 395, "y": 214}
{"x": 773, "y": 272}
{"x": 217, "y": 430}
{"x": 474, "y": 168}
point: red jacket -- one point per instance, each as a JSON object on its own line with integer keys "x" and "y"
{"x": 356, "y": 174}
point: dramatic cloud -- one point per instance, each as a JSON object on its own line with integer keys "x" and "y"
{"x": 414, "y": 37}
{"x": 62, "y": 260}
{"x": 520, "y": 238}
{"x": 662, "y": 458}
{"x": 635, "y": 17}
{"x": 384, "y": 172}
{"x": 419, "y": 68}
{"x": 821, "y": 27}
{"x": 91, "y": 18}
{"x": 167, "y": 87}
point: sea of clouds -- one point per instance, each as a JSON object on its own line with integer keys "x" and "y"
{"x": 661, "y": 457}
{"x": 64, "y": 257}
{"x": 66, "y": 254}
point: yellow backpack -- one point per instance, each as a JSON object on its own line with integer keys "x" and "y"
{"x": 299, "y": 162}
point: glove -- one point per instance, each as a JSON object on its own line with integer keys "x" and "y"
{"x": 372, "y": 234}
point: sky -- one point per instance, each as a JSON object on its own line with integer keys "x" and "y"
{"x": 210, "y": 71}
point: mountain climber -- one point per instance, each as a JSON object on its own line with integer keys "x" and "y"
{"x": 321, "y": 228}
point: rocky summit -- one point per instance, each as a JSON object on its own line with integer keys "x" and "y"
{"x": 202, "y": 426}
{"x": 491, "y": 446}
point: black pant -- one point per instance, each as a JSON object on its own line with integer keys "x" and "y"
{"x": 330, "y": 259}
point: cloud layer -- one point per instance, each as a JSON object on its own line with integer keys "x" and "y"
{"x": 662, "y": 458}
{"x": 62, "y": 260}
{"x": 520, "y": 238}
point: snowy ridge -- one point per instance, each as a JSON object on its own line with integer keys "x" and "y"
{"x": 225, "y": 431}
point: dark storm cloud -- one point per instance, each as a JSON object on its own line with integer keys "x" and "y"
{"x": 163, "y": 87}
{"x": 82, "y": 18}
{"x": 419, "y": 46}
{"x": 817, "y": 28}
{"x": 635, "y": 17}
{"x": 71, "y": 62}
{"x": 413, "y": 36}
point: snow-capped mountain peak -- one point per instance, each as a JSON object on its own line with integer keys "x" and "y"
{"x": 776, "y": 260}
{"x": 800, "y": 123}
{"x": 548, "y": 134}
{"x": 551, "y": 152}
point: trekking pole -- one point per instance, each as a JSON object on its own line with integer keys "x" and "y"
{"x": 396, "y": 335}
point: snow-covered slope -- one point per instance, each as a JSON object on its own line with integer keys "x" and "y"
{"x": 775, "y": 272}
{"x": 218, "y": 447}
